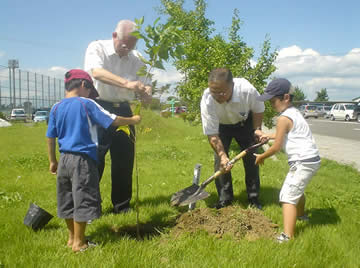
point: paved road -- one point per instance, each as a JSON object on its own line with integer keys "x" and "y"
{"x": 340, "y": 129}
{"x": 341, "y": 150}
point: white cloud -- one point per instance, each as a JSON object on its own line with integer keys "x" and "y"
{"x": 169, "y": 76}
{"x": 55, "y": 71}
{"x": 312, "y": 71}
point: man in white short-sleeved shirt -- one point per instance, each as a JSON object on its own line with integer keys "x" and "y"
{"x": 114, "y": 64}
{"x": 229, "y": 109}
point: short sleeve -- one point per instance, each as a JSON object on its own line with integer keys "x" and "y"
{"x": 255, "y": 105}
{"x": 210, "y": 121}
{"x": 51, "y": 130}
{"x": 94, "y": 57}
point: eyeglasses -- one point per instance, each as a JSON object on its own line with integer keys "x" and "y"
{"x": 219, "y": 93}
{"x": 123, "y": 46}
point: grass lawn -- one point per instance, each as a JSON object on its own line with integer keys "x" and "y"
{"x": 167, "y": 151}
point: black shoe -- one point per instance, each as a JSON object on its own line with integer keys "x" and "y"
{"x": 254, "y": 203}
{"x": 222, "y": 204}
{"x": 122, "y": 210}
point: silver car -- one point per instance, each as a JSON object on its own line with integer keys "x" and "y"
{"x": 309, "y": 111}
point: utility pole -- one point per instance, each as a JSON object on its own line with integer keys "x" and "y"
{"x": 13, "y": 64}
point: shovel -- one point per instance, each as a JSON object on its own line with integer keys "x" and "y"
{"x": 195, "y": 192}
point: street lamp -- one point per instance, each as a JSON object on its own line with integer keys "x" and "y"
{"x": 13, "y": 64}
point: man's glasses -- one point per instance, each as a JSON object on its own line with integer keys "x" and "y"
{"x": 221, "y": 94}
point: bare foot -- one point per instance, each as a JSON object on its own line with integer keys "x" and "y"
{"x": 70, "y": 243}
{"x": 79, "y": 248}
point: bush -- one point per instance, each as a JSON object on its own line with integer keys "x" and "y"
{"x": 2, "y": 116}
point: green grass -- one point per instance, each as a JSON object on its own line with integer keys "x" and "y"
{"x": 167, "y": 151}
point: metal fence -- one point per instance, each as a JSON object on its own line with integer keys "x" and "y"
{"x": 28, "y": 90}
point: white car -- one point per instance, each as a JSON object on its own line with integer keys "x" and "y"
{"x": 344, "y": 111}
{"x": 18, "y": 114}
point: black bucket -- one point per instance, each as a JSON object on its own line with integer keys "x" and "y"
{"x": 36, "y": 217}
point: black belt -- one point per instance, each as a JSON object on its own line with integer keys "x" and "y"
{"x": 309, "y": 160}
{"x": 113, "y": 104}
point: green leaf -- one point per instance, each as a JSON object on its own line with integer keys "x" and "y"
{"x": 144, "y": 60}
{"x": 164, "y": 53}
{"x": 137, "y": 34}
{"x": 156, "y": 21}
{"x": 142, "y": 71}
{"x": 158, "y": 64}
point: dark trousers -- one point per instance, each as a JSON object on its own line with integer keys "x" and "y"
{"x": 121, "y": 149}
{"x": 243, "y": 134}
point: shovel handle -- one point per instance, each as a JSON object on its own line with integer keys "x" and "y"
{"x": 231, "y": 162}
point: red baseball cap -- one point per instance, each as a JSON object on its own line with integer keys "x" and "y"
{"x": 80, "y": 74}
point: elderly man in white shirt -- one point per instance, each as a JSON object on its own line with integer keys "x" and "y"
{"x": 113, "y": 64}
{"x": 229, "y": 109}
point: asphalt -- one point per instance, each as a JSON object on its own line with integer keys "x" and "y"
{"x": 343, "y": 151}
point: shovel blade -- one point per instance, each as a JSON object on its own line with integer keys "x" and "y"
{"x": 183, "y": 194}
{"x": 194, "y": 198}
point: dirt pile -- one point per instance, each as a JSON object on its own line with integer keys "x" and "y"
{"x": 233, "y": 221}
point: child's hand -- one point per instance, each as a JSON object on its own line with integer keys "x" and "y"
{"x": 259, "y": 159}
{"x": 136, "y": 119}
{"x": 53, "y": 167}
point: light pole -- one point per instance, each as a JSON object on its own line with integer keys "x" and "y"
{"x": 13, "y": 64}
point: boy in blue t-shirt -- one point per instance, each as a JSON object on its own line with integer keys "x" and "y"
{"x": 73, "y": 122}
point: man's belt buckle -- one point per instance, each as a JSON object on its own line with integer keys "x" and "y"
{"x": 116, "y": 104}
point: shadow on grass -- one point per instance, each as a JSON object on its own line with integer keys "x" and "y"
{"x": 48, "y": 227}
{"x": 323, "y": 216}
{"x": 151, "y": 201}
{"x": 156, "y": 226}
{"x": 320, "y": 216}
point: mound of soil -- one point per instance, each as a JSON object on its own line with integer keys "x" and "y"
{"x": 233, "y": 221}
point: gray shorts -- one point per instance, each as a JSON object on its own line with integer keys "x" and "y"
{"x": 78, "y": 193}
{"x": 296, "y": 180}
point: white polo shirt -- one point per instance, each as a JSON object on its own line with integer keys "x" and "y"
{"x": 236, "y": 110}
{"x": 101, "y": 54}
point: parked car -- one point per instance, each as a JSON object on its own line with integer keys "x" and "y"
{"x": 41, "y": 116}
{"x": 18, "y": 114}
{"x": 324, "y": 111}
{"x": 357, "y": 110}
{"x": 344, "y": 111}
{"x": 309, "y": 111}
{"x": 180, "y": 109}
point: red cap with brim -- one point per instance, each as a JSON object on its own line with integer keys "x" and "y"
{"x": 80, "y": 74}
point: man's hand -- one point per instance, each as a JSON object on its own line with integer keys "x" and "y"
{"x": 146, "y": 95}
{"x": 261, "y": 136}
{"x": 224, "y": 160}
{"x": 137, "y": 86}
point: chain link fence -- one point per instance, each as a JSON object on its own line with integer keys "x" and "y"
{"x": 28, "y": 90}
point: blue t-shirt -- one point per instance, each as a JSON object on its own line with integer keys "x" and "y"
{"x": 73, "y": 121}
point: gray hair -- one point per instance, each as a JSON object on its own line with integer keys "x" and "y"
{"x": 220, "y": 74}
{"x": 124, "y": 26}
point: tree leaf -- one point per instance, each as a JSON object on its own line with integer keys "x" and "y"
{"x": 159, "y": 65}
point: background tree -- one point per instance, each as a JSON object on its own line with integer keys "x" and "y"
{"x": 322, "y": 95}
{"x": 299, "y": 94}
{"x": 203, "y": 50}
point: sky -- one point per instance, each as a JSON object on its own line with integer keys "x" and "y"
{"x": 318, "y": 41}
